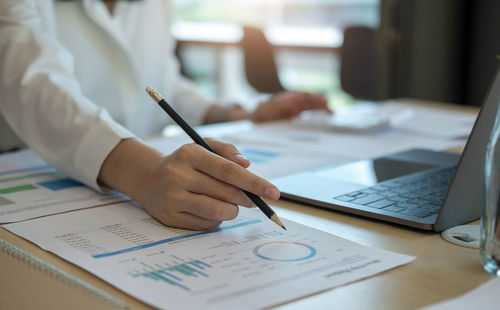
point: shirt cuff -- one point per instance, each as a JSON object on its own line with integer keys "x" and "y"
{"x": 95, "y": 147}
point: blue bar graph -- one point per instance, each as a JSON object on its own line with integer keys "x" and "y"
{"x": 175, "y": 275}
{"x": 258, "y": 156}
{"x": 60, "y": 184}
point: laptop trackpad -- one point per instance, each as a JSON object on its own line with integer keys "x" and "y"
{"x": 313, "y": 187}
{"x": 371, "y": 171}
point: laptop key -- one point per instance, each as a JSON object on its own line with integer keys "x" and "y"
{"x": 425, "y": 207}
{"x": 368, "y": 199}
{"x": 427, "y": 199}
{"x": 379, "y": 204}
{"x": 399, "y": 198}
{"x": 344, "y": 198}
{"x": 400, "y": 190}
{"x": 410, "y": 195}
{"x": 424, "y": 214}
{"x": 442, "y": 187}
{"x": 420, "y": 191}
{"x": 438, "y": 194}
{"x": 394, "y": 208}
{"x": 411, "y": 212}
{"x": 369, "y": 191}
{"x": 354, "y": 194}
{"x": 388, "y": 193}
{"x": 421, "y": 202}
{"x": 407, "y": 205}
{"x": 436, "y": 202}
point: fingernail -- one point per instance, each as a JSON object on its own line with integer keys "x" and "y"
{"x": 272, "y": 193}
{"x": 240, "y": 157}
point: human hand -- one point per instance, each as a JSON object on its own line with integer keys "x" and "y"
{"x": 286, "y": 105}
{"x": 194, "y": 188}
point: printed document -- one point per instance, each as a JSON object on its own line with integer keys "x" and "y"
{"x": 29, "y": 188}
{"x": 247, "y": 263}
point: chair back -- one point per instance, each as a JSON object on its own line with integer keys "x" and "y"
{"x": 260, "y": 66}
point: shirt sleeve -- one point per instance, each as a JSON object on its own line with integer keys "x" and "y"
{"x": 189, "y": 102}
{"x": 42, "y": 100}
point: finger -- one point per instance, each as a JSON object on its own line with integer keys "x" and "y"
{"x": 310, "y": 101}
{"x": 231, "y": 173}
{"x": 189, "y": 221}
{"x": 293, "y": 103}
{"x": 203, "y": 184}
{"x": 299, "y": 102}
{"x": 209, "y": 208}
{"x": 228, "y": 151}
{"x": 319, "y": 102}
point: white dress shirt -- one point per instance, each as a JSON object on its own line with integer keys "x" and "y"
{"x": 72, "y": 78}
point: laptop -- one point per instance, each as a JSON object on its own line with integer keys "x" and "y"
{"x": 419, "y": 188}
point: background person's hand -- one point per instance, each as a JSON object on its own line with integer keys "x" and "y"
{"x": 286, "y": 105}
{"x": 192, "y": 187}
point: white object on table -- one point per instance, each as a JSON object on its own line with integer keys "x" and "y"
{"x": 485, "y": 296}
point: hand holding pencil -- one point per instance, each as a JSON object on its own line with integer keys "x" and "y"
{"x": 193, "y": 187}
{"x": 236, "y": 178}
{"x": 196, "y": 189}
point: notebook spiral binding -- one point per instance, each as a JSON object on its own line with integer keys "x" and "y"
{"x": 64, "y": 277}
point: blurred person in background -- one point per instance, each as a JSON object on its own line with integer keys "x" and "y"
{"x": 72, "y": 79}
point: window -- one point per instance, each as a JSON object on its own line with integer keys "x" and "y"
{"x": 314, "y": 25}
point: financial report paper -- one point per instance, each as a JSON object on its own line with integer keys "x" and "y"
{"x": 29, "y": 188}
{"x": 247, "y": 263}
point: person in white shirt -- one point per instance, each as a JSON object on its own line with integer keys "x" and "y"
{"x": 72, "y": 79}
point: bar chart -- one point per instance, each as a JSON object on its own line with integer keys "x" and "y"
{"x": 176, "y": 274}
{"x": 35, "y": 189}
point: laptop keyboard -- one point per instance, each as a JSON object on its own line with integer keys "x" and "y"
{"x": 420, "y": 196}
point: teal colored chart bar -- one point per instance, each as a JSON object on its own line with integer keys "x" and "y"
{"x": 174, "y": 275}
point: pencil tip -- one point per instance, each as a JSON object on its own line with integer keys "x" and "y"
{"x": 277, "y": 220}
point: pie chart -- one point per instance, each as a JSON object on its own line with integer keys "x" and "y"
{"x": 284, "y": 251}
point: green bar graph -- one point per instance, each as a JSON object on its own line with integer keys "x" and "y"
{"x": 15, "y": 189}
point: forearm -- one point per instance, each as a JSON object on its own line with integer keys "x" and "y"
{"x": 284, "y": 105}
{"x": 129, "y": 168}
{"x": 217, "y": 113}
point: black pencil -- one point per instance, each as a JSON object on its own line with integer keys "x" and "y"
{"x": 261, "y": 204}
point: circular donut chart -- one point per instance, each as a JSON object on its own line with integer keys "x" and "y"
{"x": 284, "y": 251}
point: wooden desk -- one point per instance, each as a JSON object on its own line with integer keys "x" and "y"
{"x": 440, "y": 271}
